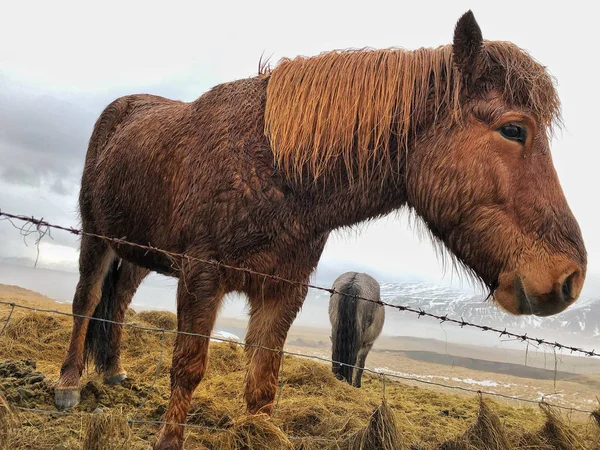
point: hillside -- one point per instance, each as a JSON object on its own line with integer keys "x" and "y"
{"x": 314, "y": 411}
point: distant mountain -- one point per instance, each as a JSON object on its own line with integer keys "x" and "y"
{"x": 582, "y": 318}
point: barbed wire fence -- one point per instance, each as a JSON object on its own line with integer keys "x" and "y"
{"x": 43, "y": 228}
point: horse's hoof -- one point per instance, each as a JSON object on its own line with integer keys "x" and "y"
{"x": 66, "y": 398}
{"x": 115, "y": 379}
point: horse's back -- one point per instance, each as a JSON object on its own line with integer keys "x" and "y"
{"x": 156, "y": 169}
{"x": 352, "y": 288}
{"x": 363, "y": 286}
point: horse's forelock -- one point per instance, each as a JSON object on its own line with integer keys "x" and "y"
{"x": 523, "y": 82}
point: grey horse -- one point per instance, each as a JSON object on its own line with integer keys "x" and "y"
{"x": 356, "y": 324}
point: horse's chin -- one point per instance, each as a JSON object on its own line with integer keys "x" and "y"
{"x": 513, "y": 299}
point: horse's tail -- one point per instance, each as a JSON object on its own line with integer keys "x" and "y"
{"x": 346, "y": 335}
{"x": 97, "y": 338}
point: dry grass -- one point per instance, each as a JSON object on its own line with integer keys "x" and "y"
{"x": 555, "y": 434}
{"x": 106, "y": 430}
{"x": 315, "y": 410}
{"x": 596, "y": 433}
{"x": 487, "y": 433}
{"x": 8, "y": 423}
{"x": 380, "y": 433}
{"x": 160, "y": 319}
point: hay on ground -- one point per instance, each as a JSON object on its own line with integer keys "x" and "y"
{"x": 107, "y": 429}
{"x": 314, "y": 411}
{"x": 487, "y": 433}
{"x": 160, "y": 319}
{"x": 8, "y": 422}
{"x": 596, "y": 420}
{"x": 381, "y": 432}
{"x": 555, "y": 434}
{"x": 256, "y": 432}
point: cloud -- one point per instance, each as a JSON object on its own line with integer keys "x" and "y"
{"x": 44, "y": 134}
{"x": 43, "y": 142}
{"x": 42, "y": 138}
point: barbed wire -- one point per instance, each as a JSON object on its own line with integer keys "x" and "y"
{"x": 43, "y": 226}
{"x": 379, "y": 373}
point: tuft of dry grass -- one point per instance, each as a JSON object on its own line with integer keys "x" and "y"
{"x": 107, "y": 430}
{"x": 8, "y": 423}
{"x": 596, "y": 433}
{"x": 555, "y": 434}
{"x": 487, "y": 433}
{"x": 257, "y": 432}
{"x": 381, "y": 432}
{"x": 160, "y": 319}
{"x": 306, "y": 444}
{"x": 596, "y": 417}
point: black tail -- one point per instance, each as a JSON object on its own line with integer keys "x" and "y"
{"x": 97, "y": 338}
{"x": 346, "y": 339}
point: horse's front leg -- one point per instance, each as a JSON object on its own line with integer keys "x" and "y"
{"x": 198, "y": 299}
{"x": 270, "y": 319}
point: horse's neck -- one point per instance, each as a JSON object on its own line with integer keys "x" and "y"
{"x": 343, "y": 205}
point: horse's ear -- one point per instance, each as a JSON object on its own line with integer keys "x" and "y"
{"x": 467, "y": 46}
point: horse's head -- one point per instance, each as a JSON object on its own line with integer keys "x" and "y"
{"x": 487, "y": 187}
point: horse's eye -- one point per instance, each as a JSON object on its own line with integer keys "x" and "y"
{"x": 514, "y": 133}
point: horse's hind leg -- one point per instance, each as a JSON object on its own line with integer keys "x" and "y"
{"x": 199, "y": 296}
{"x": 95, "y": 259}
{"x": 130, "y": 278}
{"x": 360, "y": 363}
{"x": 270, "y": 320}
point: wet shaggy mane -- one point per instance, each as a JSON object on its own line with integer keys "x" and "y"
{"x": 356, "y": 105}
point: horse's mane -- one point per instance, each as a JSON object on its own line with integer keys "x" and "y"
{"x": 348, "y": 104}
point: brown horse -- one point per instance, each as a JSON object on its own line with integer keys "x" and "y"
{"x": 257, "y": 173}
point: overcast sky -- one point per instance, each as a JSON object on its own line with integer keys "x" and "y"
{"x": 62, "y": 62}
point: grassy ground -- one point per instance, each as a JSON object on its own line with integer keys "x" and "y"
{"x": 314, "y": 411}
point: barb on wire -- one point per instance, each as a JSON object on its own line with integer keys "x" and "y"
{"x": 291, "y": 353}
{"x": 40, "y": 223}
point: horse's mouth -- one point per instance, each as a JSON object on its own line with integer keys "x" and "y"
{"x": 539, "y": 305}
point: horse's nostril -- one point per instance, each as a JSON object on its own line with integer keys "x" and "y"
{"x": 567, "y": 287}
